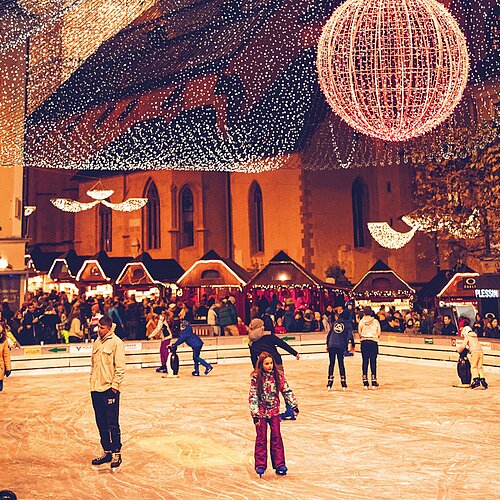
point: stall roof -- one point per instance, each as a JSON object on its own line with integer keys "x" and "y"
{"x": 468, "y": 285}
{"x": 214, "y": 270}
{"x": 146, "y": 270}
{"x": 439, "y": 280}
{"x": 66, "y": 266}
{"x": 39, "y": 260}
{"x": 282, "y": 270}
{"x": 101, "y": 268}
{"x": 382, "y": 279}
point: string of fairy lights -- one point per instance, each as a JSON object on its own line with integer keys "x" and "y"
{"x": 249, "y": 67}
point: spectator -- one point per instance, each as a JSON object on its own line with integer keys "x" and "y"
{"x": 449, "y": 327}
{"x": 437, "y": 329}
{"x": 410, "y": 329}
{"x": 242, "y": 328}
{"x": 228, "y": 317}
{"x": 76, "y": 333}
{"x": 279, "y": 329}
{"x": 213, "y": 318}
{"x": 134, "y": 320}
{"x": 116, "y": 318}
{"x": 492, "y": 331}
{"x": 297, "y": 323}
{"x": 478, "y": 326}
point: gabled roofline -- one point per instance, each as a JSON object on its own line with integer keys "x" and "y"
{"x": 214, "y": 261}
{"x": 90, "y": 261}
{"x": 388, "y": 271}
{"x": 460, "y": 275}
{"x": 128, "y": 264}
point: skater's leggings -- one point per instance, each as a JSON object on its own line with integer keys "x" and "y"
{"x": 277, "y": 448}
{"x": 476, "y": 364}
{"x": 369, "y": 351}
{"x": 337, "y": 352}
{"x": 197, "y": 359}
{"x": 165, "y": 355}
{"x": 106, "y": 408}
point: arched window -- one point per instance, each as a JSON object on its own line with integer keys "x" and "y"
{"x": 152, "y": 210}
{"x": 187, "y": 218}
{"x": 359, "y": 213}
{"x": 256, "y": 219}
{"x": 105, "y": 228}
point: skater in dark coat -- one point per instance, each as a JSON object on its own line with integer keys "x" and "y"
{"x": 196, "y": 344}
{"x": 337, "y": 341}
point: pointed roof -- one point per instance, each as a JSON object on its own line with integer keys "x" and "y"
{"x": 214, "y": 270}
{"x": 380, "y": 265}
{"x": 67, "y": 265}
{"x": 156, "y": 271}
{"x": 282, "y": 270}
{"x": 101, "y": 268}
{"x": 39, "y": 260}
{"x": 383, "y": 280}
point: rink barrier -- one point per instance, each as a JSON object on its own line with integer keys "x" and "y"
{"x": 145, "y": 354}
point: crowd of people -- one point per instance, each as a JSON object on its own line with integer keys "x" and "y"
{"x": 53, "y": 318}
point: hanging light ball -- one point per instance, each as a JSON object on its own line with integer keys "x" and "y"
{"x": 392, "y": 69}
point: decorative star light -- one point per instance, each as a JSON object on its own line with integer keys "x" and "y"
{"x": 392, "y": 69}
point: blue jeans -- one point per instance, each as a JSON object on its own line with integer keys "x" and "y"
{"x": 197, "y": 360}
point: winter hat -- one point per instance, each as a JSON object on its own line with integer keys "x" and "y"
{"x": 367, "y": 311}
{"x": 184, "y": 324}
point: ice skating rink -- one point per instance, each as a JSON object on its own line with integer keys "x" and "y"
{"x": 189, "y": 438}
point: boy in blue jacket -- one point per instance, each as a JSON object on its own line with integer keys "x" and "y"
{"x": 193, "y": 341}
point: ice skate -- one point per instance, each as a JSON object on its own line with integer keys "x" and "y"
{"x": 329, "y": 384}
{"x": 209, "y": 369}
{"x": 195, "y": 374}
{"x": 116, "y": 461}
{"x": 260, "y": 471}
{"x": 484, "y": 384}
{"x": 281, "y": 470}
{"x": 170, "y": 375}
{"x": 161, "y": 369}
{"x": 104, "y": 459}
{"x": 343, "y": 383}
{"x": 374, "y": 382}
{"x": 476, "y": 384}
{"x": 365, "y": 382}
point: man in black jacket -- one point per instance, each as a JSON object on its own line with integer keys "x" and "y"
{"x": 449, "y": 327}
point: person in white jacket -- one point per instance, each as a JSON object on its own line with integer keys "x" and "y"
{"x": 471, "y": 342}
{"x": 369, "y": 333}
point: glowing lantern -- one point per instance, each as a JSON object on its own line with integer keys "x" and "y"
{"x": 392, "y": 69}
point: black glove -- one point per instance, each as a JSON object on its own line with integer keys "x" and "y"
{"x": 255, "y": 420}
{"x": 7, "y": 373}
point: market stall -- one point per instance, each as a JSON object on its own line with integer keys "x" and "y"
{"x": 469, "y": 293}
{"x": 38, "y": 264}
{"x": 292, "y": 284}
{"x": 64, "y": 270}
{"x": 214, "y": 276}
{"x": 148, "y": 277}
{"x": 98, "y": 274}
{"x": 382, "y": 286}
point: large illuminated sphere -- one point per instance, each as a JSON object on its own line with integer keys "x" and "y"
{"x": 392, "y": 69}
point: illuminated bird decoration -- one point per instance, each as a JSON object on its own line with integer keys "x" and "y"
{"x": 99, "y": 196}
{"x": 388, "y": 237}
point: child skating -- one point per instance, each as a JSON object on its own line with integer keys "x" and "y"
{"x": 266, "y": 384}
{"x": 472, "y": 343}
